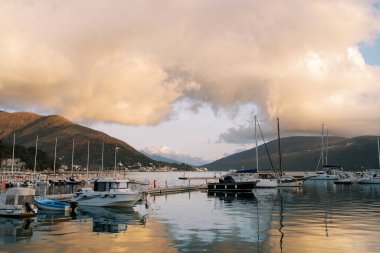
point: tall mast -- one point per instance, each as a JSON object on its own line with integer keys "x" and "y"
{"x": 322, "y": 155}
{"x": 257, "y": 151}
{"x": 116, "y": 148}
{"x": 55, "y": 153}
{"x": 378, "y": 150}
{"x": 88, "y": 155}
{"x": 13, "y": 152}
{"x": 72, "y": 159}
{"x": 102, "y": 155}
{"x": 35, "y": 158}
{"x": 279, "y": 145}
{"x": 327, "y": 144}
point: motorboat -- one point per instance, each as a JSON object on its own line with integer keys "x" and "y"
{"x": 370, "y": 177}
{"x": 328, "y": 173}
{"x": 18, "y": 202}
{"x": 239, "y": 181}
{"x": 54, "y": 205}
{"x": 108, "y": 192}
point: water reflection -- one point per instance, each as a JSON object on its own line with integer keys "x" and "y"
{"x": 111, "y": 220}
{"x": 15, "y": 230}
{"x": 242, "y": 197}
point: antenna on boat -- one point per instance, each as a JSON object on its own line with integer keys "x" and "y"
{"x": 13, "y": 152}
{"x": 378, "y": 150}
{"x": 35, "y": 158}
{"x": 102, "y": 155}
{"x": 55, "y": 153}
{"x": 323, "y": 146}
{"x": 279, "y": 146}
{"x": 72, "y": 159}
{"x": 257, "y": 152}
{"x": 327, "y": 144}
{"x": 88, "y": 155}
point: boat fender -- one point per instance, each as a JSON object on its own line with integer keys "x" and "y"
{"x": 112, "y": 195}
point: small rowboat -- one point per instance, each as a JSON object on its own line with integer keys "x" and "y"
{"x": 50, "y": 204}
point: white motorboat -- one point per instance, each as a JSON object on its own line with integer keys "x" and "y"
{"x": 329, "y": 173}
{"x": 371, "y": 177}
{"x": 17, "y": 202}
{"x": 108, "y": 192}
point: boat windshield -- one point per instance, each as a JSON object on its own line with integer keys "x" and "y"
{"x": 10, "y": 200}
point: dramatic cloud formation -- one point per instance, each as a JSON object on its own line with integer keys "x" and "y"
{"x": 171, "y": 154}
{"x": 129, "y": 61}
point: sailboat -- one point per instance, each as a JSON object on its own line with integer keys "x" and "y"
{"x": 328, "y": 172}
{"x": 372, "y": 176}
{"x": 262, "y": 182}
{"x": 284, "y": 180}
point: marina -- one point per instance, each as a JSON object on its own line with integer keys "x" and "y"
{"x": 320, "y": 215}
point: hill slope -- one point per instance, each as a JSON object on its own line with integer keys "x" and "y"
{"x": 26, "y": 126}
{"x": 303, "y": 153}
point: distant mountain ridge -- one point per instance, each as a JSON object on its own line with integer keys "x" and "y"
{"x": 27, "y": 125}
{"x": 302, "y": 153}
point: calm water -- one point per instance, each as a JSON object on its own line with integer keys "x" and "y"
{"x": 320, "y": 217}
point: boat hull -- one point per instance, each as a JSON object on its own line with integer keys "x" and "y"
{"x": 290, "y": 183}
{"x": 369, "y": 181}
{"x": 16, "y": 212}
{"x": 52, "y": 205}
{"x": 266, "y": 183}
{"x": 110, "y": 200}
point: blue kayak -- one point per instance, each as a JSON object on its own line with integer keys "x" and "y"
{"x": 50, "y": 204}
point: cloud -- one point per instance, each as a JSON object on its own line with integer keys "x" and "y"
{"x": 129, "y": 61}
{"x": 169, "y": 153}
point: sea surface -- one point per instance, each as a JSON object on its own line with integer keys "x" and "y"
{"x": 319, "y": 217}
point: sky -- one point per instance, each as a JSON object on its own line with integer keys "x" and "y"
{"x": 185, "y": 78}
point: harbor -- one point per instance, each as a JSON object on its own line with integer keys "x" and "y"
{"x": 264, "y": 221}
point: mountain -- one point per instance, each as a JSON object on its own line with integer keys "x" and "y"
{"x": 302, "y": 153}
{"x": 160, "y": 158}
{"x": 26, "y": 126}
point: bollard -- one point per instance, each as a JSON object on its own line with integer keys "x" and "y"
{"x": 154, "y": 183}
